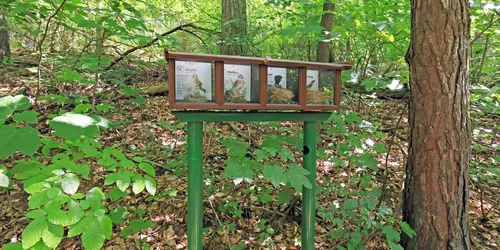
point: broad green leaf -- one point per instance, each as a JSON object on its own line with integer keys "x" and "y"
{"x": 238, "y": 173}
{"x": 16, "y": 103}
{"x": 283, "y": 197}
{"x": 57, "y": 216}
{"x": 139, "y": 225}
{"x": 111, "y": 178}
{"x": 236, "y": 148}
{"x": 79, "y": 227}
{"x": 24, "y": 139}
{"x": 407, "y": 229}
{"x": 296, "y": 177}
{"x": 395, "y": 246}
{"x": 30, "y": 117}
{"x": 138, "y": 186}
{"x": 148, "y": 168}
{"x": 123, "y": 182}
{"x": 52, "y": 235}
{"x": 275, "y": 174}
{"x": 34, "y": 214}
{"x": 33, "y": 232}
{"x": 117, "y": 194}
{"x": 38, "y": 199}
{"x": 13, "y": 246}
{"x": 286, "y": 154}
{"x": 70, "y": 184}
{"x": 150, "y": 185}
{"x": 106, "y": 227}
{"x": 261, "y": 154}
{"x": 92, "y": 236}
{"x": 391, "y": 234}
{"x": 4, "y": 180}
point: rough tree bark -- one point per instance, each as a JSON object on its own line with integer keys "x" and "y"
{"x": 324, "y": 52}
{"x": 233, "y": 27}
{"x": 435, "y": 197}
{"x": 4, "y": 38}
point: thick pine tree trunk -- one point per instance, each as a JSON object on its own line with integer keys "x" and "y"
{"x": 324, "y": 51}
{"x": 234, "y": 27}
{"x": 436, "y": 185}
{"x": 4, "y": 38}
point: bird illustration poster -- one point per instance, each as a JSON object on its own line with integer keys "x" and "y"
{"x": 276, "y": 77}
{"x": 312, "y": 79}
{"x": 237, "y": 80}
{"x": 193, "y": 79}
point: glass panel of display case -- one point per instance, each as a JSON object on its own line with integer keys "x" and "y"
{"x": 283, "y": 85}
{"x": 241, "y": 83}
{"x": 194, "y": 81}
{"x": 320, "y": 86}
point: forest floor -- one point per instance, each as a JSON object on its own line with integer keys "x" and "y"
{"x": 153, "y": 132}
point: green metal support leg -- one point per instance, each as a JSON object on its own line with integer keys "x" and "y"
{"x": 308, "y": 195}
{"x": 195, "y": 186}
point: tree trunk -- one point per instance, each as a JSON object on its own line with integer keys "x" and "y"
{"x": 234, "y": 27}
{"x": 324, "y": 52}
{"x": 4, "y": 38}
{"x": 435, "y": 196}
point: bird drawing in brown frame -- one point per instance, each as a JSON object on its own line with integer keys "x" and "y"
{"x": 238, "y": 84}
{"x": 198, "y": 85}
{"x": 309, "y": 85}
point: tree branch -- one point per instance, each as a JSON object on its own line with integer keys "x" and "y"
{"x": 153, "y": 41}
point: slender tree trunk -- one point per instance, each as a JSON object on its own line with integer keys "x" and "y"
{"x": 324, "y": 52}
{"x": 234, "y": 27}
{"x": 435, "y": 197}
{"x": 4, "y": 38}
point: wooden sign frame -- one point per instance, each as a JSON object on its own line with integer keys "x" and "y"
{"x": 220, "y": 104}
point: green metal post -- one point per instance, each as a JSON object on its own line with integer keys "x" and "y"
{"x": 308, "y": 195}
{"x": 195, "y": 186}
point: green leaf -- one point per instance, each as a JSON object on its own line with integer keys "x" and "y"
{"x": 391, "y": 234}
{"x": 79, "y": 227}
{"x": 33, "y": 232}
{"x": 34, "y": 214}
{"x": 52, "y": 235}
{"x": 286, "y": 154}
{"x": 276, "y": 174}
{"x": 236, "y": 148}
{"x": 70, "y": 184}
{"x": 13, "y": 246}
{"x": 379, "y": 147}
{"x": 118, "y": 214}
{"x": 117, "y": 194}
{"x": 123, "y": 182}
{"x": 395, "y": 246}
{"x": 38, "y": 199}
{"x": 260, "y": 154}
{"x": 238, "y": 173}
{"x": 283, "y": 197}
{"x": 148, "y": 168}
{"x": 111, "y": 178}
{"x": 407, "y": 229}
{"x": 150, "y": 185}
{"x": 24, "y": 139}
{"x": 296, "y": 177}
{"x": 30, "y": 117}
{"x": 138, "y": 186}
{"x": 139, "y": 225}
{"x": 106, "y": 227}
{"x": 4, "y": 180}
{"x": 92, "y": 236}
{"x": 16, "y": 103}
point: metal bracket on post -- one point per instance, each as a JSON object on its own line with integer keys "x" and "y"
{"x": 308, "y": 194}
